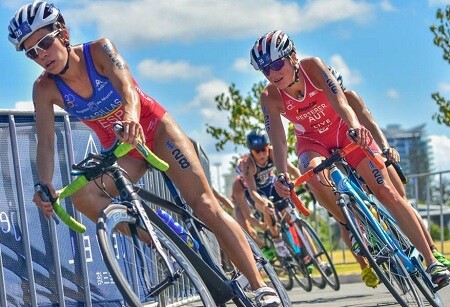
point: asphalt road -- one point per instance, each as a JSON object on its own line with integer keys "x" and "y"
{"x": 353, "y": 294}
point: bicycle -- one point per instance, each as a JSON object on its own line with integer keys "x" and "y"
{"x": 402, "y": 273}
{"x": 148, "y": 261}
{"x": 305, "y": 264}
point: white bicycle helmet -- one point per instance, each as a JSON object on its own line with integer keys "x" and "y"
{"x": 270, "y": 47}
{"x": 29, "y": 18}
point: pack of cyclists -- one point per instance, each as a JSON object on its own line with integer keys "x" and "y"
{"x": 305, "y": 91}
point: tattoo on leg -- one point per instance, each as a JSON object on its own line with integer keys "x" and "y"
{"x": 178, "y": 155}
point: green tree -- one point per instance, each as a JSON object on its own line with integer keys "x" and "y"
{"x": 244, "y": 114}
{"x": 442, "y": 39}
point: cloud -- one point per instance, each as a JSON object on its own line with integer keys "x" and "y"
{"x": 351, "y": 77}
{"x": 392, "y": 93}
{"x": 440, "y": 145}
{"x": 387, "y": 6}
{"x": 168, "y": 70}
{"x": 444, "y": 87}
{"x": 28, "y": 106}
{"x": 138, "y": 22}
{"x": 437, "y": 2}
{"x": 24, "y": 106}
{"x": 243, "y": 65}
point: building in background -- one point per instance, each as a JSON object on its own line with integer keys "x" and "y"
{"x": 415, "y": 151}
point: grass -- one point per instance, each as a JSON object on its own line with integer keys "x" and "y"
{"x": 346, "y": 264}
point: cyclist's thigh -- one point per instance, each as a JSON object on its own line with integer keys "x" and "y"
{"x": 173, "y": 146}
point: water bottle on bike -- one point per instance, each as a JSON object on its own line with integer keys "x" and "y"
{"x": 179, "y": 230}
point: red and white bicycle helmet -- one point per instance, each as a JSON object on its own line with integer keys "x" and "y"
{"x": 29, "y": 18}
{"x": 270, "y": 47}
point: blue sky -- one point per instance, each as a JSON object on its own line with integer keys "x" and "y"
{"x": 185, "y": 52}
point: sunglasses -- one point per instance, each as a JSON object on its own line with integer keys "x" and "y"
{"x": 257, "y": 151}
{"x": 42, "y": 45}
{"x": 275, "y": 66}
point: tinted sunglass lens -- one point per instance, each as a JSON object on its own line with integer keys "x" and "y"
{"x": 46, "y": 42}
{"x": 32, "y": 54}
{"x": 277, "y": 65}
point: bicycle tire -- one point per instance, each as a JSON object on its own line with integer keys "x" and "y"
{"x": 130, "y": 278}
{"x": 281, "y": 268}
{"x": 331, "y": 277}
{"x": 420, "y": 277}
{"x": 387, "y": 265}
{"x": 268, "y": 273}
{"x": 306, "y": 256}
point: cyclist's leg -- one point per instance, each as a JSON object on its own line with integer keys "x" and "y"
{"x": 172, "y": 145}
{"x": 397, "y": 182}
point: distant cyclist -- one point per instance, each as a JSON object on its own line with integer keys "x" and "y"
{"x": 93, "y": 83}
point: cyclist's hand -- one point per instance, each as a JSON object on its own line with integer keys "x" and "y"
{"x": 45, "y": 206}
{"x": 282, "y": 190}
{"x": 132, "y": 132}
{"x": 360, "y": 136}
{"x": 391, "y": 154}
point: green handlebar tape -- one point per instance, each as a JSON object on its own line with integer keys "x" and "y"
{"x": 152, "y": 158}
{"x": 59, "y": 210}
{"x": 121, "y": 150}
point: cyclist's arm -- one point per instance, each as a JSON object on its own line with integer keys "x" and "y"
{"x": 367, "y": 120}
{"x": 224, "y": 201}
{"x": 110, "y": 63}
{"x": 43, "y": 97}
{"x": 244, "y": 207}
{"x": 272, "y": 107}
{"x": 249, "y": 170}
{"x": 293, "y": 171}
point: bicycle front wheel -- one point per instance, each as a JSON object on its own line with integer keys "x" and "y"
{"x": 384, "y": 261}
{"x": 419, "y": 276}
{"x": 318, "y": 252}
{"x": 139, "y": 271}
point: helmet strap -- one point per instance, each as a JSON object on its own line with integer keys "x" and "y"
{"x": 295, "y": 77}
{"x": 66, "y": 67}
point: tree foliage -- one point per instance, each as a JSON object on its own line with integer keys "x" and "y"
{"x": 244, "y": 114}
{"x": 441, "y": 33}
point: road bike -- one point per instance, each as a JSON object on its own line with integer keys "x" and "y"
{"x": 149, "y": 262}
{"x": 308, "y": 262}
{"x": 401, "y": 271}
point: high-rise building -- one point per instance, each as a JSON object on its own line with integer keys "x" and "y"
{"x": 414, "y": 148}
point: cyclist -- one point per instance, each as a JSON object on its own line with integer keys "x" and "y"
{"x": 306, "y": 93}
{"x": 390, "y": 154}
{"x": 92, "y": 82}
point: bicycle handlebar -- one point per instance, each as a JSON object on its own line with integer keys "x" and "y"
{"x": 335, "y": 157}
{"x": 301, "y": 207}
{"x": 120, "y": 149}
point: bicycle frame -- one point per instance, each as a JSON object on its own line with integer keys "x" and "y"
{"x": 411, "y": 262}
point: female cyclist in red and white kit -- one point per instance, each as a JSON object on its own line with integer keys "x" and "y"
{"x": 306, "y": 93}
{"x": 93, "y": 82}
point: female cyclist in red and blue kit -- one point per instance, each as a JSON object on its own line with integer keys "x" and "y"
{"x": 307, "y": 94}
{"x": 93, "y": 83}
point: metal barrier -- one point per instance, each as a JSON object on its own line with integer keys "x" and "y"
{"x": 42, "y": 264}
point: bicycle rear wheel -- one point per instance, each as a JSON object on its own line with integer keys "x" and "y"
{"x": 140, "y": 273}
{"x": 320, "y": 254}
{"x": 386, "y": 263}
